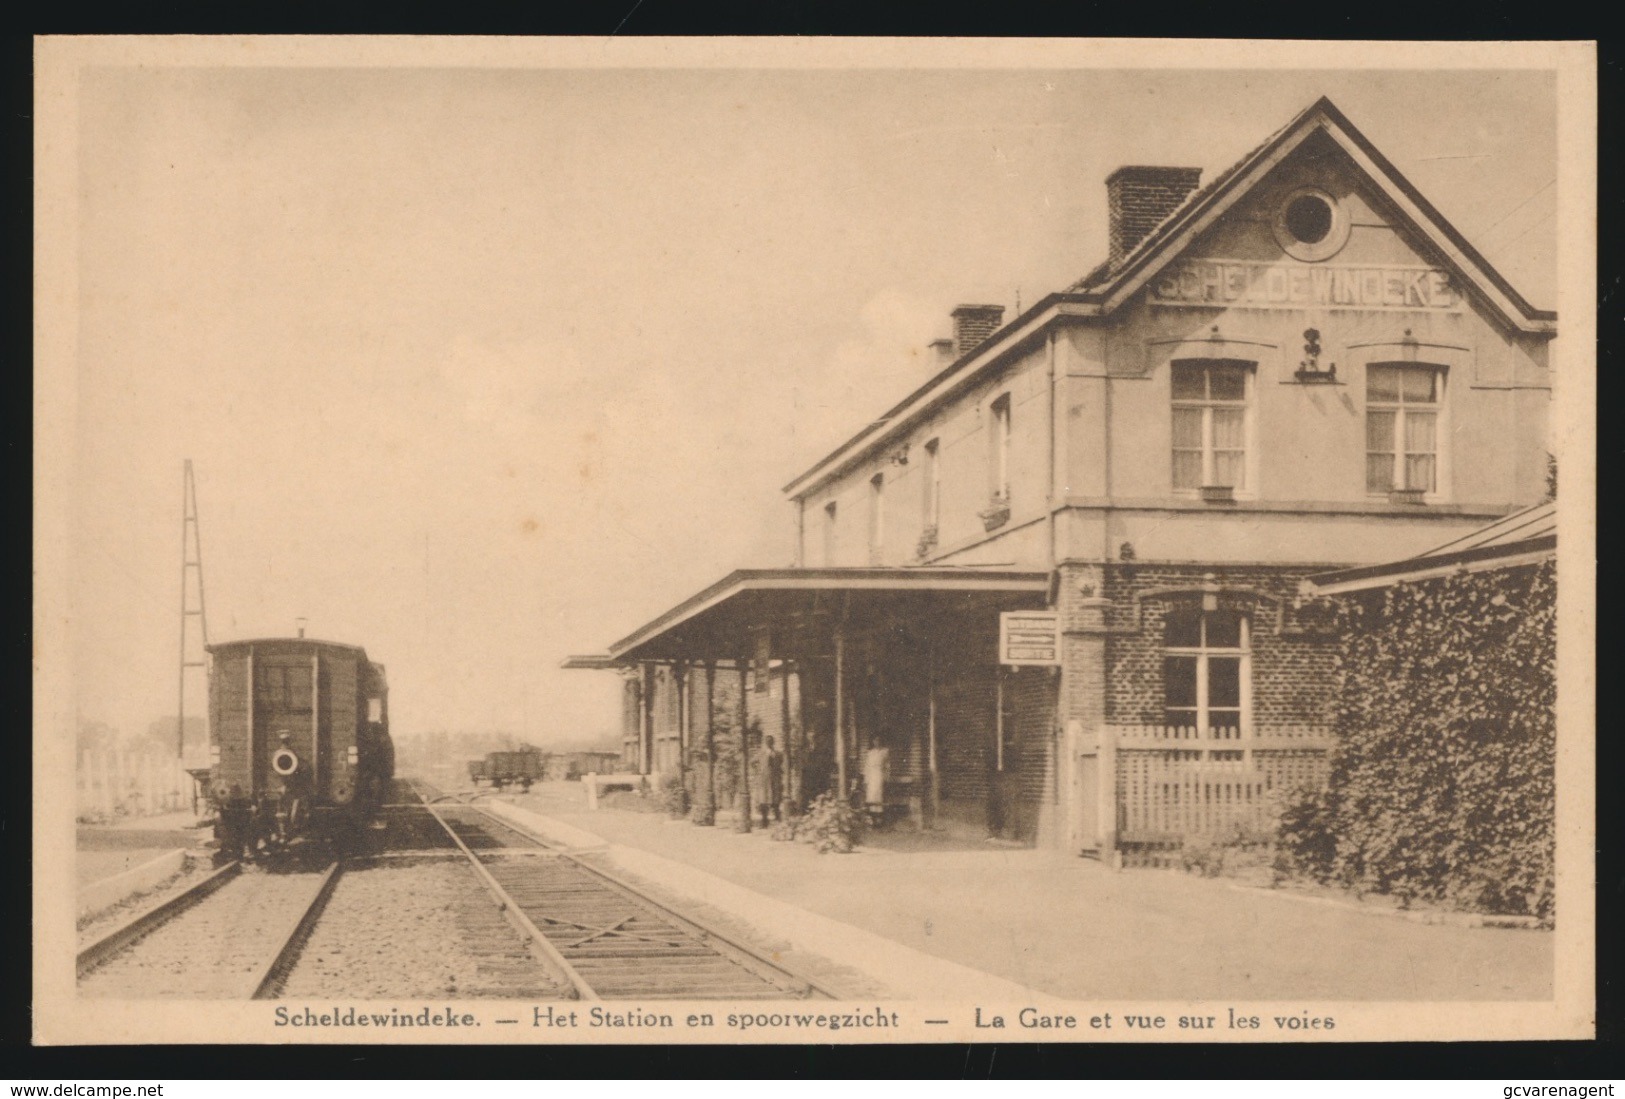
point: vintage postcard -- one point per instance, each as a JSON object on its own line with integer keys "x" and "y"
{"x": 562, "y": 541}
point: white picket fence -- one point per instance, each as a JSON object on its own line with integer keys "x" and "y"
{"x": 113, "y": 784}
{"x": 1175, "y": 782}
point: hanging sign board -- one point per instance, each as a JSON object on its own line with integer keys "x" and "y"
{"x": 762, "y": 658}
{"x": 1030, "y": 638}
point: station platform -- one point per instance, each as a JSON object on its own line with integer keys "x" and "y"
{"x": 1042, "y": 921}
{"x": 106, "y": 850}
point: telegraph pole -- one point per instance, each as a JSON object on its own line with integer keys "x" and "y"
{"x": 191, "y": 562}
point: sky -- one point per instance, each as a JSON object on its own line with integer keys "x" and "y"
{"x": 479, "y": 368}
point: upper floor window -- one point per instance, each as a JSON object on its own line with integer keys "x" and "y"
{"x": 877, "y": 516}
{"x": 1210, "y": 423}
{"x": 830, "y": 514}
{"x": 1401, "y": 427}
{"x": 933, "y": 482}
{"x": 999, "y": 448}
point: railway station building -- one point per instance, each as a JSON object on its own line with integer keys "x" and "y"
{"x": 1062, "y": 582}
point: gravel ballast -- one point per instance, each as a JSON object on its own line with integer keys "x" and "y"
{"x": 417, "y": 928}
{"x": 212, "y": 951}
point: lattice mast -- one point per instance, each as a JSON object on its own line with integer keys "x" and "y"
{"x": 191, "y": 586}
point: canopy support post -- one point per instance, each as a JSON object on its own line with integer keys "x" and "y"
{"x": 744, "y": 747}
{"x": 841, "y": 788}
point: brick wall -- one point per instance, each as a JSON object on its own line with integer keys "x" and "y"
{"x": 1291, "y": 664}
{"x": 966, "y": 654}
{"x": 1138, "y": 199}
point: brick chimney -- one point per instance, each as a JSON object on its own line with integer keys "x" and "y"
{"x": 1139, "y": 198}
{"x": 975, "y": 323}
{"x": 942, "y": 353}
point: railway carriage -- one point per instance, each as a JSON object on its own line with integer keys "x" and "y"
{"x": 298, "y": 739}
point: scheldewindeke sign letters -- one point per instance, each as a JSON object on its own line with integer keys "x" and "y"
{"x": 1268, "y": 285}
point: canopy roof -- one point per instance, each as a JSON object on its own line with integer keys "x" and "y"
{"x": 720, "y": 622}
{"x": 1523, "y": 537}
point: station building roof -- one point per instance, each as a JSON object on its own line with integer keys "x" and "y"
{"x": 1109, "y": 286}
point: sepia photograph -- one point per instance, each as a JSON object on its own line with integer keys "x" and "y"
{"x": 799, "y": 541}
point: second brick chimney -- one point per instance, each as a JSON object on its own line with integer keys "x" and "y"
{"x": 1139, "y": 198}
{"x": 975, "y": 323}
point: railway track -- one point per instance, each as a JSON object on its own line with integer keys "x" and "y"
{"x": 609, "y": 939}
{"x": 560, "y": 927}
{"x": 230, "y": 936}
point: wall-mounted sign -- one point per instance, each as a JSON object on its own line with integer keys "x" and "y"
{"x": 1030, "y": 637}
{"x": 1253, "y": 285}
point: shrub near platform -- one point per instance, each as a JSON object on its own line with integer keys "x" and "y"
{"x": 829, "y": 824}
{"x": 674, "y": 793}
{"x": 1443, "y": 784}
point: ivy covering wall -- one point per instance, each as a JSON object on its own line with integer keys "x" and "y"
{"x": 1442, "y": 785}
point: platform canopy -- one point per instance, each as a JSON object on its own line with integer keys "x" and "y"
{"x": 1525, "y": 537}
{"x": 799, "y": 608}
{"x": 590, "y": 662}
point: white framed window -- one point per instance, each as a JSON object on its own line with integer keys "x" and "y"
{"x": 1206, "y": 674}
{"x": 1211, "y": 423}
{"x": 933, "y": 483}
{"x": 1402, "y": 427}
{"x": 999, "y": 448}
{"x": 877, "y": 516}
{"x": 831, "y": 514}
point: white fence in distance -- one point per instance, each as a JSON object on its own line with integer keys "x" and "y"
{"x": 112, "y": 784}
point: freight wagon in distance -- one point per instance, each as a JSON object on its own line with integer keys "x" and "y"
{"x": 516, "y": 768}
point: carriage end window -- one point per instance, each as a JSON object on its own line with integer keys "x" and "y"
{"x": 283, "y": 687}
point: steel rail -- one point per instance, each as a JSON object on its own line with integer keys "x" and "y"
{"x": 276, "y": 970}
{"x": 532, "y": 935}
{"x": 141, "y": 924}
{"x": 726, "y": 945}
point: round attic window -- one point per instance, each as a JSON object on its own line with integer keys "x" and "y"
{"x": 1311, "y": 225}
{"x": 1309, "y": 218}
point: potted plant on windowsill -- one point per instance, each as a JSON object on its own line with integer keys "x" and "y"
{"x": 997, "y": 512}
{"x": 1218, "y": 494}
{"x": 927, "y": 543}
{"x": 1413, "y": 496}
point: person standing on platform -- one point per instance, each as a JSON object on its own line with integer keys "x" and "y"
{"x": 767, "y": 777}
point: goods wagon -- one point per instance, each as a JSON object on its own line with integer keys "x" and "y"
{"x": 516, "y": 768}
